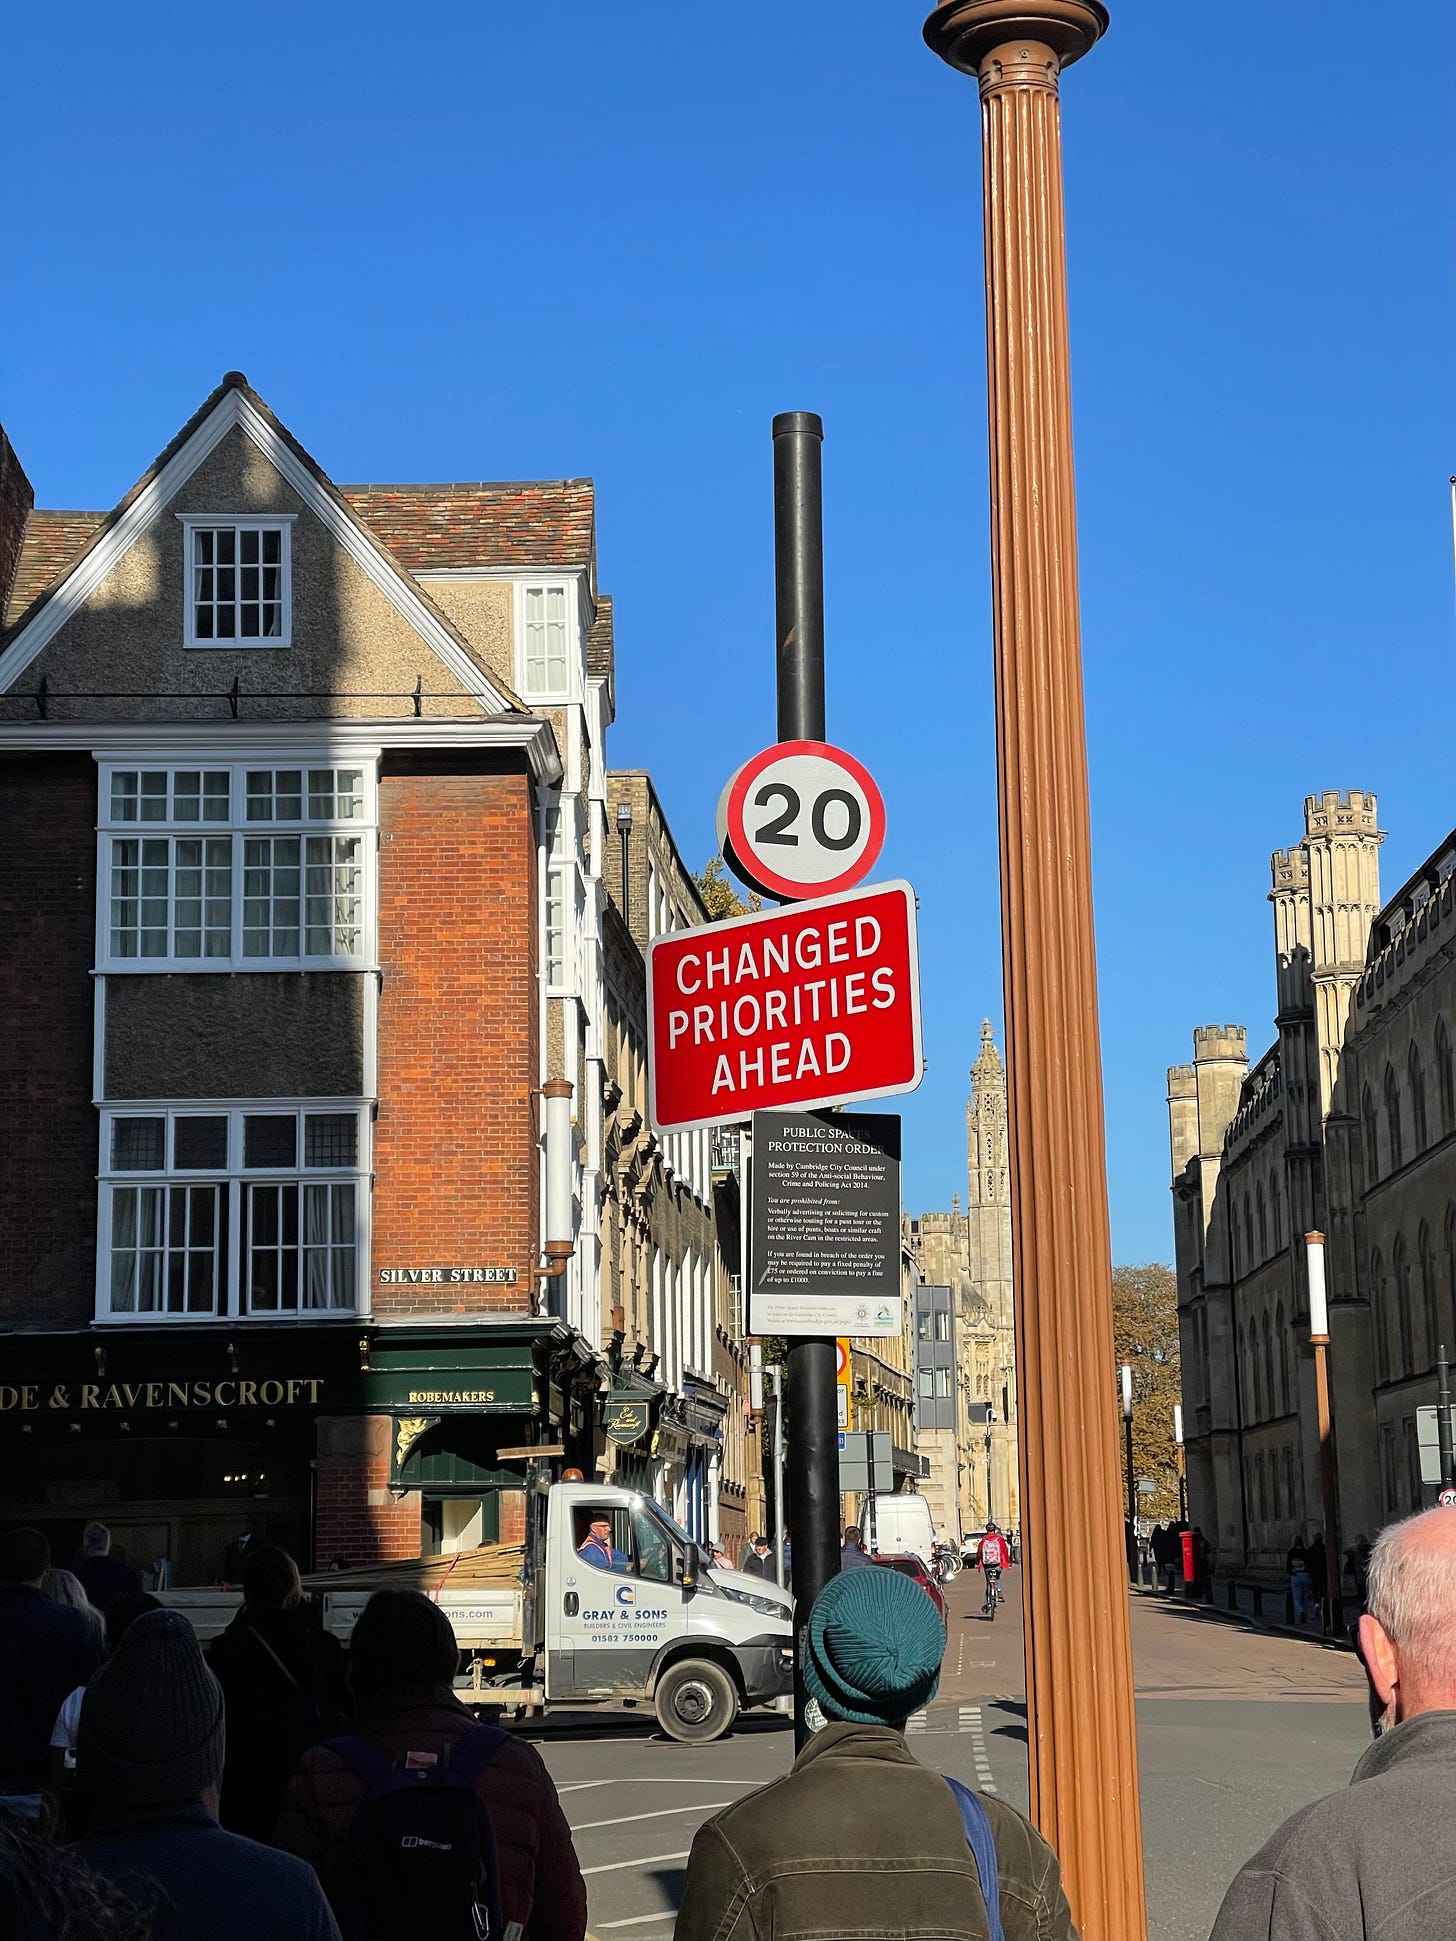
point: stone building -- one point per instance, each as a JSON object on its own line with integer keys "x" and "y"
{"x": 1346, "y": 1125}
{"x": 304, "y": 790}
{"x": 677, "y": 1418}
{"x": 970, "y": 1252}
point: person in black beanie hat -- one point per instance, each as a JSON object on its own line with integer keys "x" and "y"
{"x": 149, "y": 1753}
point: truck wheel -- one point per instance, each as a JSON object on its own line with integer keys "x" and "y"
{"x": 696, "y": 1701}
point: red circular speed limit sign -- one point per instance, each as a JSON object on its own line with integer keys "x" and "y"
{"x": 802, "y": 819}
{"x": 1447, "y": 1498}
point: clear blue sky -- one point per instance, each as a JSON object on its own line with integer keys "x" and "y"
{"x": 527, "y": 241}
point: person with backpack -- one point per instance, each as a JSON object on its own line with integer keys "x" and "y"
{"x": 858, "y": 1838}
{"x": 426, "y": 1822}
{"x": 286, "y": 1689}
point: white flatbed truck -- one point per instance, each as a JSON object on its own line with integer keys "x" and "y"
{"x": 645, "y": 1617}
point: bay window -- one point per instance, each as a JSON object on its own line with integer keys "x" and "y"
{"x": 236, "y": 868}
{"x": 258, "y": 1210}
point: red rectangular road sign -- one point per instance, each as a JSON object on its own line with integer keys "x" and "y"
{"x": 814, "y": 1004}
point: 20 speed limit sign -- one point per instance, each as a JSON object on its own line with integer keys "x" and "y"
{"x": 802, "y": 819}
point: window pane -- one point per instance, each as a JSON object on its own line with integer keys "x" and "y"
{"x": 124, "y": 797}
{"x": 200, "y": 1145}
{"x": 270, "y": 1141}
{"x": 330, "y": 1138}
{"x": 154, "y": 795}
{"x": 138, "y": 1145}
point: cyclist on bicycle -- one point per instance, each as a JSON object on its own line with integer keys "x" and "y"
{"x": 993, "y": 1555}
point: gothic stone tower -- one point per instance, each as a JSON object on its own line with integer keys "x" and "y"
{"x": 988, "y": 1331}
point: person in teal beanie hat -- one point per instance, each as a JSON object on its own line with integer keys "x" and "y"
{"x": 858, "y": 1839}
{"x": 875, "y": 1646}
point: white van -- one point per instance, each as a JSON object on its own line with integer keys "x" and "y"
{"x": 899, "y": 1526}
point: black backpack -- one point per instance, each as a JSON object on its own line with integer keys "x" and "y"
{"x": 421, "y": 1855}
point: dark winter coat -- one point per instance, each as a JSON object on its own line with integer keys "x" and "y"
{"x": 104, "y": 1579}
{"x": 541, "y": 1883}
{"x": 206, "y": 1885}
{"x": 1372, "y": 1863}
{"x": 859, "y": 1839}
{"x": 270, "y": 1722}
{"x": 46, "y": 1651}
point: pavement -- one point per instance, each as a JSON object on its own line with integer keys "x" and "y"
{"x": 1237, "y": 1726}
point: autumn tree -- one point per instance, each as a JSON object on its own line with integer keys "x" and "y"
{"x": 1145, "y": 1333}
{"x": 719, "y": 895}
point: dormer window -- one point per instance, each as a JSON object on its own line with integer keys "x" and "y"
{"x": 545, "y": 613}
{"x": 238, "y": 582}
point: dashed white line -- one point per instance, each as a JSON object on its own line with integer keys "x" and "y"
{"x": 972, "y": 1722}
{"x": 916, "y": 1721}
{"x": 640, "y": 1920}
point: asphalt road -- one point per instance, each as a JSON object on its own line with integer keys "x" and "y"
{"x": 1236, "y": 1728}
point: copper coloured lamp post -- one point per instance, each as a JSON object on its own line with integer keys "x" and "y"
{"x": 1084, "y": 1792}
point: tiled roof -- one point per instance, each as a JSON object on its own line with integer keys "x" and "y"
{"x": 545, "y": 523}
{"x": 52, "y": 541}
{"x": 600, "y": 654}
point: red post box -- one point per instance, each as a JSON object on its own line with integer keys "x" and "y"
{"x": 1190, "y": 1569}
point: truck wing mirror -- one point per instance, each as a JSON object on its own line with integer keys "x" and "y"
{"x": 687, "y": 1574}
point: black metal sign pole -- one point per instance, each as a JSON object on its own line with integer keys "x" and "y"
{"x": 1443, "y": 1418}
{"x": 798, "y": 438}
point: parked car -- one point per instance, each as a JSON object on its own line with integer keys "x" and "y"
{"x": 913, "y": 1567}
{"x": 970, "y": 1548}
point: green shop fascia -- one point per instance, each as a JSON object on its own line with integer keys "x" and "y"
{"x": 457, "y": 1395}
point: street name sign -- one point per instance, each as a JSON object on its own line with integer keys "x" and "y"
{"x": 801, "y": 819}
{"x": 815, "y": 1004}
{"x": 824, "y": 1217}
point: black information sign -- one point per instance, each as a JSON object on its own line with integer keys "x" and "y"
{"x": 825, "y": 1223}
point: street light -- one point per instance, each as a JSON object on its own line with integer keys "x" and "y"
{"x": 1127, "y": 1462}
{"x": 988, "y": 1470}
{"x": 1182, "y": 1482}
{"x": 1319, "y": 1336}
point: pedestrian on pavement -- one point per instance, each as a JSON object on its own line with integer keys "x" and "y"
{"x": 1375, "y": 1862}
{"x": 757, "y": 1562}
{"x": 1301, "y": 1589}
{"x": 1319, "y": 1572}
{"x": 404, "y": 1657}
{"x": 858, "y": 1838}
{"x": 46, "y": 1651}
{"x": 150, "y": 1757}
{"x": 283, "y": 1678}
{"x": 47, "y": 1891}
{"x": 852, "y": 1552}
{"x": 105, "y": 1577}
{"x": 65, "y": 1588}
{"x": 70, "y": 1810}
{"x": 747, "y": 1551}
{"x": 1202, "y": 1558}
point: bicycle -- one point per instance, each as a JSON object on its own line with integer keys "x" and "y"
{"x": 993, "y": 1592}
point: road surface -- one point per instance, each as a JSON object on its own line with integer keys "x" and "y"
{"x": 1236, "y": 1728}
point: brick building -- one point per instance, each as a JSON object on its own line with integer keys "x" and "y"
{"x": 677, "y": 1418}
{"x": 303, "y": 790}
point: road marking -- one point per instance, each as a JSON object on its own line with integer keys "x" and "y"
{"x": 650, "y": 1779}
{"x": 640, "y": 1920}
{"x": 916, "y": 1721}
{"x": 961, "y": 1654}
{"x": 643, "y": 1860}
{"x": 662, "y": 1813}
{"x": 972, "y": 1722}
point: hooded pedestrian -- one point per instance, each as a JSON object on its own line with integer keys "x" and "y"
{"x": 858, "y": 1839}
{"x": 150, "y": 1756}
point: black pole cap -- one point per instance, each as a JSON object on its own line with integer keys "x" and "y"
{"x": 788, "y": 422}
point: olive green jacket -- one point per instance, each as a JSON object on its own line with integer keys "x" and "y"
{"x": 859, "y": 1839}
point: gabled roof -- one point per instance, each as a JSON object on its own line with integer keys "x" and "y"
{"x": 452, "y": 527}
{"x": 65, "y": 554}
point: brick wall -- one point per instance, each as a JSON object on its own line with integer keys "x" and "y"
{"x": 47, "y": 1122}
{"x": 456, "y": 1175}
{"x": 355, "y": 1517}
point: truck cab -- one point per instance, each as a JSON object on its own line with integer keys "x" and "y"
{"x": 634, "y": 1608}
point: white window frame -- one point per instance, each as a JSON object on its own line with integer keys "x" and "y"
{"x": 566, "y": 895}
{"x": 238, "y": 829}
{"x": 193, "y": 522}
{"x": 567, "y": 587}
{"x": 232, "y": 1307}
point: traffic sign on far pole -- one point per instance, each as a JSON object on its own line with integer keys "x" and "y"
{"x": 801, "y": 819}
{"x": 815, "y": 1004}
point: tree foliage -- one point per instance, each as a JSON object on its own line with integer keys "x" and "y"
{"x": 719, "y": 895}
{"x": 1145, "y": 1333}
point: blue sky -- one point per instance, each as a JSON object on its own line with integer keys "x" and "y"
{"x": 493, "y": 242}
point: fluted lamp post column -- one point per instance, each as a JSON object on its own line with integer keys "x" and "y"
{"x": 1084, "y": 1792}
